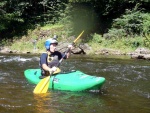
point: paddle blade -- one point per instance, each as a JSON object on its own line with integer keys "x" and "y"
{"x": 42, "y": 86}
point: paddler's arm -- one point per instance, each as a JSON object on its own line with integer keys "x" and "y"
{"x": 46, "y": 68}
{"x": 69, "y": 52}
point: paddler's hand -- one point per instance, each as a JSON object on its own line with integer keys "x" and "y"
{"x": 53, "y": 69}
{"x": 70, "y": 47}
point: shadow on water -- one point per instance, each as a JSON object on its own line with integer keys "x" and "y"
{"x": 126, "y": 89}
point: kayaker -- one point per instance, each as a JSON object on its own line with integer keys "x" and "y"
{"x": 50, "y": 59}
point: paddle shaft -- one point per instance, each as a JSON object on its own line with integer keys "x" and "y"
{"x": 69, "y": 49}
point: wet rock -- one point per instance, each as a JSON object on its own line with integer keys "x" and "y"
{"x": 81, "y": 49}
{"x": 5, "y": 50}
{"x": 137, "y": 56}
{"x": 141, "y": 53}
{"x": 147, "y": 57}
{"x": 85, "y": 48}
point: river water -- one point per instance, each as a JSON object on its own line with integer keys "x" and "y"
{"x": 126, "y": 90}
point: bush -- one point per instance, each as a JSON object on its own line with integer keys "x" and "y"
{"x": 133, "y": 22}
{"x": 97, "y": 38}
{"x": 147, "y": 40}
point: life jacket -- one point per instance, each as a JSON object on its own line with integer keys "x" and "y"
{"x": 49, "y": 58}
{"x": 51, "y": 61}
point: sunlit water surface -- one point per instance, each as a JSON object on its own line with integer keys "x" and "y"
{"x": 126, "y": 90}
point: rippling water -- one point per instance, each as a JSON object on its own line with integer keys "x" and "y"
{"x": 127, "y": 87}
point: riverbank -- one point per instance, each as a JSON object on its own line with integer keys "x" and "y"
{"x": 96, "y": 44}
{"x": 139, "y": 53}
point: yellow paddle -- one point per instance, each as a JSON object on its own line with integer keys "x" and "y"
{"x": 43, "y": 85}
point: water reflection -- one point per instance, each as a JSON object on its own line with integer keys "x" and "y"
{"x": 42, "y": 103}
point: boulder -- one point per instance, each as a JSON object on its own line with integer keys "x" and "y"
{"x": 141, "y": 53}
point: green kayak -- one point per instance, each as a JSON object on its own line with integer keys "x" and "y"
{"x": 71, "y": 81}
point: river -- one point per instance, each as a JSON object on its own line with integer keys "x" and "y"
{"x": 126, "y": 90}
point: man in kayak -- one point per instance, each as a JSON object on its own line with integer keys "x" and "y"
{"x": 49, "y": 60}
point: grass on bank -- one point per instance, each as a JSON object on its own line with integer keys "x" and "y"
{"x": 26, "y": 43}
{"x": 95, "y": 41}
{"x": 123, "y": 44}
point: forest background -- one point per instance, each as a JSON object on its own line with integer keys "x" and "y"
{"x": 115, "y": 24}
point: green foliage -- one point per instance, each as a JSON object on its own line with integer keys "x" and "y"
{"x": 146, "y": 22}
{"x": 125, "y": 44}
{"x": 97, "y": 38}
{"x": 4, "y": 42}
{"x": 22, "y": 46}
{"x": 18, "y": 15}
{"x": 113, "y": 7}
{"x": 72, "y": 16}
{"x": 66, "y": 19}
{"x": 147, "y": 40}
{"x": 133, "y": 22}
{"x": 133, "y": 42}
